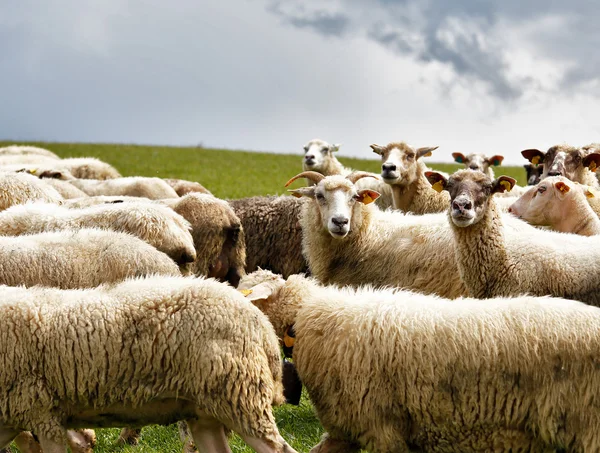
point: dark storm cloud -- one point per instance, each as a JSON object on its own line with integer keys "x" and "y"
{"x": 322, "y": 22}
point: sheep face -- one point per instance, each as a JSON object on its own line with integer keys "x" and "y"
{"x": 477, "y": 161}
{"x": 470, "y": 193}
{"x": 534, "y": 173}
{"x": 399, "y": 162}
{"x": 541, "y": 205}
{"x": 562, "y": 160}
{"x": 338, "y": 202}
{"x": 316, "y": 152}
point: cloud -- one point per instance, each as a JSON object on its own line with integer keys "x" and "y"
{"x": 321, "y": 21}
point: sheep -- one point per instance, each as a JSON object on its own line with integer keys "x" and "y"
{"x": 404, "y": 172}
{"x": 158, "y": 225}
{"x": 534, "y": 173}
{"x": 479, "y": 162}
{"x": 566, "y": 160}
{"x": 135, "y": 186}
{"x": 63, "y": 356}
{"x": 217, "y": 233}
{"x": 319, "y": 157}
{"x": 87, "y": 201}
{"x": 67, "y": 191}
{"x": 396, "y": 371}
{"x": 18, "y": 188}
{"x": 89, "y": 168}
{"x": 494, "y": 264}
{"x": 183, "y": 187}
{"x": 32, "y": 159}
{"x": 273, "y": 234}
{"x": 560, "y": 204}
{"x": 78, "y": 259}
{"x": 21, "y": 150}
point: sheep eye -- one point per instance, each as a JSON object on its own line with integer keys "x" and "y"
{"x": 541, "y": 189}
{"x": 306, "y": 149}
{"x": 320, "y": 196}
{"x": 324, "y": 150}
{"x": 410, "y": 156}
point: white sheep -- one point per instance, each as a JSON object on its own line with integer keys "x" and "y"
{"x": 200, "y": 352}
{"x": 577, "y": 164}
{"x": 21, "y": 150}
{"x": 403, "y": 170}
{"x": 396, "y": 371}
{"x": 560, "y": 204}
{"x": 495, "y": 264}
{"x": 135, "y": 186}
{"x": 158, "y": 225}
{"x": 89, "y": 168}
{"x": 78, "y": 259}
{"x": 87, "y": 201}
{"x": 18, "y": 188}
{"x": 183, "y": 187}
{"x": 319, "y": 157}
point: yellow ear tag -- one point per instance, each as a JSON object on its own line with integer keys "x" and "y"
{"x": 428, "y": 154}
{"x": 593, "y": 166}
{"x": 245, "y": 292}
{"x": 535, "y": 160}
{"x": 32, "y": 171}
{"x": 366, "y": 199}
{"x": 589, "y": 194}
{"x": 506, "y": 185}
{"x": 438, "y": 186}
{"x": 288, "y": 341}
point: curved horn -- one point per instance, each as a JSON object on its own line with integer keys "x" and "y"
{"x": 355, "y": 176}
{"x": 312, "y": 175}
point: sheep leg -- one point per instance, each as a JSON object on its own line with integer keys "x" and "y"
{"x": 129, "y": 436}
{"x": 6, "y": 436}
{"x": 50, "y": 446}
{"x": 264, "y": 446}
{"x": 331, "y": 445}
{"x": 26, "y": 443}
{"x": 209, "y": 436}
{"x": 186, "y": 438}
{"x": 81, "y": 441}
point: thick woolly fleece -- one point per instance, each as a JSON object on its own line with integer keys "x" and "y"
{"x": 134, "y": 186}
{"x": 89, "y": 168}
{"x": 79, "y": 259}
{"x": 67, "y": 361}
{"x": 183, "y": 187}
{"x": 158, "y": 225}
{"x": 19, "y": 188}
{"x": 20, "y": 150}
{"x": 493, "y": 264}
{"x": 396, "y": 371}
{"x": 273, "y": 234}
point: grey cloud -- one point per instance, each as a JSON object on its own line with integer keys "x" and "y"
{"x": 321, "y": 21}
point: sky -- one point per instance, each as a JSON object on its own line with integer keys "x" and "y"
{"x": 270, "y": 75}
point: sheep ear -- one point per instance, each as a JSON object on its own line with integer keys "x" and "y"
{"x": 438, "y": 182}
{"x": 303, "y": 192}
{"x": 367, "y": 196}
{"x": 335, "y": 147}
{"x": 562, "y": 187}
{"x": 425, "y": 151}
{"x": 259, "y": 292}
{"x": 459, "y": 157}
{"x": 495, "y": 160}
{"x": 592, "y": 161}
{"x": 503, "y": 184}
{"x": 588, "y": 192}
{"x": 535, "y": 156}
{"x": 377, "y": 149}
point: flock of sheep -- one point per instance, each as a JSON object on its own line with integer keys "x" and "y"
{"x": 423, "y": 311}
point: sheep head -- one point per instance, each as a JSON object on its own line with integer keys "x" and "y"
{"x": 337, "y": 198}
{"x": 534, "y": 173}
{"x": 316, "y": 153}
{"x": 470, "y": 193}
{"x": 399, "y": 162}
{"x": 560, "y": 160}
{"x": 478, "y": 161}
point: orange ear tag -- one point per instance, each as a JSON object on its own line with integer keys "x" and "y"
{"x": 366, "y": 199}
{"x": 535, "y": 160}
{"x": 245, "y": 292}
{"x": 593, "y": 166}
{"x": 288, "y": 341}
{"x": 506, "y": 185}
{"x": 438, "y": 186}
{"x": 563, "y": 188}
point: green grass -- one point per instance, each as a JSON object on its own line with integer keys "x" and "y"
{"x": 228, "y": 174}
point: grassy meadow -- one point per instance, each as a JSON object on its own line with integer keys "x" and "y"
{"x": 228, "y": 174}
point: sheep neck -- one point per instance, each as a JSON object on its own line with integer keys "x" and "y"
{"x": 481, "y": 254}
{"x": 578, "y": 217}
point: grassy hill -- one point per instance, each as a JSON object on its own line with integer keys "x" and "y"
{"x": 228, "y": 174}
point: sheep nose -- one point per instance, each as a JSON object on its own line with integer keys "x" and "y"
{"x": 388, "y": 167}
{"x": 554, "y": 173}
{"x": 510, "y": 210}
{"x": 461, "y": 205}
{"x": 340, "y": 221}
{"x": 473, "y": 167}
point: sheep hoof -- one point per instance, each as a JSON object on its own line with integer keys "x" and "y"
{"x": 189, "y": 447}
{"x": 129, "y": 436}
